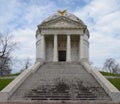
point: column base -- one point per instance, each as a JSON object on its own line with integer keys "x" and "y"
{"x": 55, "y": 60}
{"x": 68, "y": 59}
{"x": 40, "y": 60}
{"x": 83, "y": 60}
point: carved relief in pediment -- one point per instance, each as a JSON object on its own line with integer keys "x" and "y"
{"x": 62, "y": 24}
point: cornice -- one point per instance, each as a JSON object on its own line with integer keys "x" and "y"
{"x": 61, "y": 18}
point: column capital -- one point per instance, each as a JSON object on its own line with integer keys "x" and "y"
{"x": 68, "y": 34}
{"x": 81, "y": 34}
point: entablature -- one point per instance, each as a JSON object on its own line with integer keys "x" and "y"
{"x": 63, "y": 31}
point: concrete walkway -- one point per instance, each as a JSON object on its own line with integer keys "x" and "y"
{"x": 112, "y": 76}
{"x": 8, "y": 77}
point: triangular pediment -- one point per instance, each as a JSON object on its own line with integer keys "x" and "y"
{"x": 62, "y": 23}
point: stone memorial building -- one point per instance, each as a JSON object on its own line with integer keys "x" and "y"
{"x": 62, "y": 71}
{"x": 62, "y": 38}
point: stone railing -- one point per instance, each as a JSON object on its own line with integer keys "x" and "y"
{"x": 13, "y": 86}
{"x": 112, "y": 91}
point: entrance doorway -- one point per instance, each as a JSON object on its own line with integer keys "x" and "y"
{"x": 62, "y": 55}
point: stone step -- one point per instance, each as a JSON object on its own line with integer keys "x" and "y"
{"x": 55, "y": 93}
{"x": 60, "y": 96}
{"x": 48, "y": 72}
{"x": 63, "y": 95}
{"x": 65, "y": 102}
{"x": 43, "y": 98}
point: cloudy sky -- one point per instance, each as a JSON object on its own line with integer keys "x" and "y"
{"x": 21, "y": 17}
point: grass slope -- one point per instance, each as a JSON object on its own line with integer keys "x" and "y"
{"x": 4, "y": 82}
{"x": 115, "y": 82}
{"x": 16, "y": 74}
{"x": 109, "y": 74}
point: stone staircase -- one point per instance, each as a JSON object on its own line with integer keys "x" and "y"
{"x": 38, "y": 94}
{"x": 41, "y": 85}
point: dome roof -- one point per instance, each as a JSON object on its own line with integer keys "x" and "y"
{"x": 67, "y": 15}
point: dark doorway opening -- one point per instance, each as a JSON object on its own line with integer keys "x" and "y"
{"x": 62, "y": 55}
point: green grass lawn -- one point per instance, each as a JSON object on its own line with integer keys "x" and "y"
{"x": 109, "y": 74}
{"x": 4, "y": 82}
{"x": 16, "y": 74}
{"x": 115, "y": 82}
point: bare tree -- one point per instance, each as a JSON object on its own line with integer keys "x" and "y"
{"x": 116, "y": 69}
{"x": 111, "y": 65}
{"x": 6, "y": 47}
{"x": 26, "y": 64}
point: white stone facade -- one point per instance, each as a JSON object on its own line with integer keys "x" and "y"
{"x": 59, "y": 38}
{"x": 62, "y": 38}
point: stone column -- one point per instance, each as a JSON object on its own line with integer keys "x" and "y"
{"x": 68, "y": 48}
{"x": 43, "y": 53}
{"x": 55, "y": 51}
{"x": 81, "y": 48}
